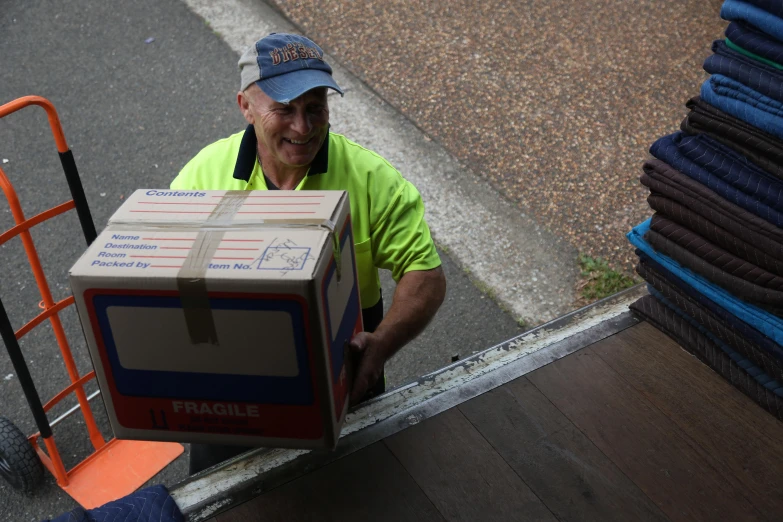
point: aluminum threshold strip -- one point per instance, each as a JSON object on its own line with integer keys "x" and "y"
{"x": 225, "y": 486}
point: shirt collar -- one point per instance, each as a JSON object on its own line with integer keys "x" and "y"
{"x": 246, "y": 158}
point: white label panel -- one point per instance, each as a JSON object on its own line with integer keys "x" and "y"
{"x": 252, "y": 342}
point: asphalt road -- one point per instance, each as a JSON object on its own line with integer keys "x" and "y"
{"x": 134, "y": 110}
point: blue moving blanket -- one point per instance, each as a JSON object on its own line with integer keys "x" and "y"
{"x": 763, "y": 321}
{"x": 765, "y": 20}
{"x": 773, "y": 6}
{"x": 152, "y": 504}
{"x": 744, "y": 103}
{"x": 723, "y": 171}
{"x": 732, "y": 167}
{"x": 752, "y": 73}
{"x": 755, "y": 41}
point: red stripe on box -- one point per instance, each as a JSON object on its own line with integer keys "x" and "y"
{"x": 275, "y": 197}
{"x": 173, "y": 203}
{"x": 194, "y": 212}
{"x": 160, "y": 257}
{"x": 185, "y": 257}
{"x": 214, "y": 204}
{"x": 193, "y": 239}
{"x": 227, "y": 248}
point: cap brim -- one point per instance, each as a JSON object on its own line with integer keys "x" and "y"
{"x": 287, "y": 87}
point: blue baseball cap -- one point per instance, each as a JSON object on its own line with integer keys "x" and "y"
{"x": 285, "y": 66}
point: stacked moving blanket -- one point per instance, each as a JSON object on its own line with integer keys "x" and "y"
{"x": 712, "y": 253}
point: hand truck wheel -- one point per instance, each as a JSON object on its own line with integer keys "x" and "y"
{"x": 19, "y": 464}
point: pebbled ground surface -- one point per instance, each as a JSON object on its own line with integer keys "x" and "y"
{"x": 553, "y": 103}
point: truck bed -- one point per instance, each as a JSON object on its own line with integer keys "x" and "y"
{"x": 596, "y": 416}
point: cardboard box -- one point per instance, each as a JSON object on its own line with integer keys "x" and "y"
{"x": 223, "y": 317}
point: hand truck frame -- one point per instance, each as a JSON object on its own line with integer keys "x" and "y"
{"x": 116, "y": 467}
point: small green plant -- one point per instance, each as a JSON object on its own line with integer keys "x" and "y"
{"x": 599, "y": 280}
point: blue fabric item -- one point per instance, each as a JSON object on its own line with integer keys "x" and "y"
{"x": 721, "y": 173}
{"x": 773, "y": 6}
{"x": 152, "y": 504}
{"x": 766, "y": 21}
{"x": 732, "y": 167}
{"x": 754, "y": 41}
{"x": 759, "y": 76}
{"x": 744, "y": 363}
{"x": 763, "y": 321}
{"x": 744, "y": 103}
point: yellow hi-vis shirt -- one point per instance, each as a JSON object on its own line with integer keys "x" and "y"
{"x": 387, "y": 212}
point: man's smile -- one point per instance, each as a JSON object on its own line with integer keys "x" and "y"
{"x": 298, "y": 142}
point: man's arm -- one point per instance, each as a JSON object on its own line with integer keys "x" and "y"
{"x": 418, "y": 296}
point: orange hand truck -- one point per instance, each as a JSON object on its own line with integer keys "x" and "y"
{"x": 116, "y": 467}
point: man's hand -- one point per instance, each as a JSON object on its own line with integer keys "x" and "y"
{"x": 368, "y": 361}
{"x": 418, "y": 296}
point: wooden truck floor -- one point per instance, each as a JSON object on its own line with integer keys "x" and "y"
{"x": 628, "y": 427}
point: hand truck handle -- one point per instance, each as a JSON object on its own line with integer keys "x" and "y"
{"x": 66, "y": 159}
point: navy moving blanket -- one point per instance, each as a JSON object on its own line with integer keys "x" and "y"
{"x": 759, "y": 76}
{"x": 152, "y": 504}
{"x": 755, "y": 41}
{"x": 725, "y": 172}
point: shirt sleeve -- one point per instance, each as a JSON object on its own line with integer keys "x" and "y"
{"x": 401, "y": 240}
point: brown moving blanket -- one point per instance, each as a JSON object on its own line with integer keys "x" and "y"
{"x": 765, "y": 150}
{"x": 667, "y": 184}
{"x": 771, "y": 300}
{"x": 720, "y": 236}
{"x": 714, "y": 255}
{"x": 721, "y": 329}
{"x": 695, "y": 342}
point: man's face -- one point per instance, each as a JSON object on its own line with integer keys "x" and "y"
{"x": 289, "y": 135}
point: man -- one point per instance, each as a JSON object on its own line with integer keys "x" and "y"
{"x": 287, "y": 146}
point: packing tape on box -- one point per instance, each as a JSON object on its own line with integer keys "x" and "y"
{"x": 191, "y": 277}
